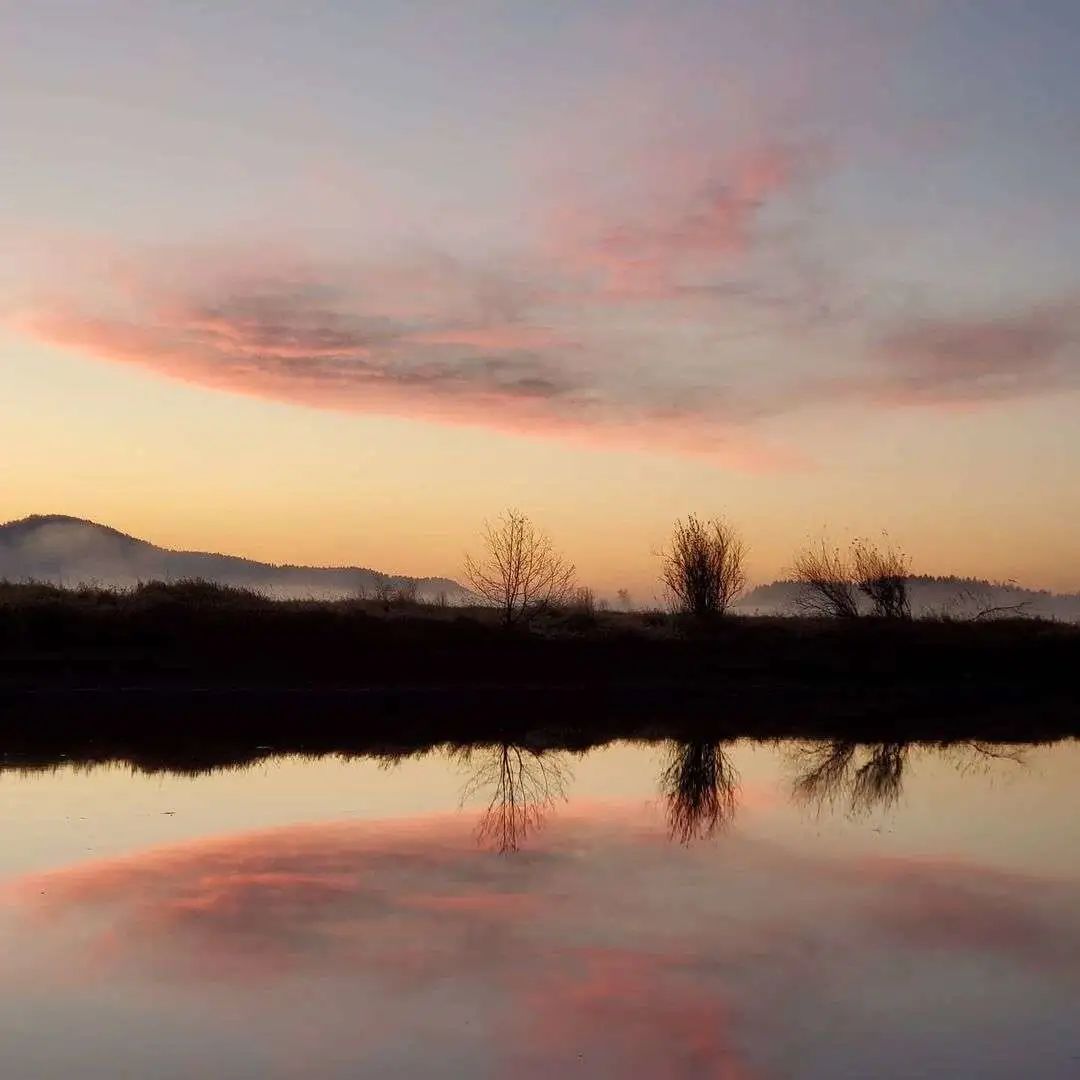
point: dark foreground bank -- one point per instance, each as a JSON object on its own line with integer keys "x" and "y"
{"x": 196, "y": 658}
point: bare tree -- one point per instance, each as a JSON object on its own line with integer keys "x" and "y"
{"x": 703, "y": 566}
{"x": 881, "y": 575}
{"x": 520, "y": 572}
{"x": 827, "y": 587}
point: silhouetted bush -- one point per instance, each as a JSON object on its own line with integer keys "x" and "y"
{"x": 881, "y": 576}
{"x": 827, "y": 587}
{"x": 703, "y": 567}
{"x": 832, "y": 582}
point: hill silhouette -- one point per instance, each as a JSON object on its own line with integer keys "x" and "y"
{"x": 71, "y": 551}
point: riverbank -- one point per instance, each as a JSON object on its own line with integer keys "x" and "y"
{"x": 200, "y": 660}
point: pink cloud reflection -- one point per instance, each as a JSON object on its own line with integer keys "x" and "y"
{"x": 608, "y": 947}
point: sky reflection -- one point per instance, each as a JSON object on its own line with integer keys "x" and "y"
{"x": 600, "y": 946}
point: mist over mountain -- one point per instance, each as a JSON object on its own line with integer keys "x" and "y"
{"x": 71, "y": 551}
{"x": 956, "y": 597}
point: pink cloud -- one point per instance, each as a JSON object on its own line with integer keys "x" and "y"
{"x": 634, "y": 321}
{"x": 970, "y": 360}
{"x": 499, "y": 338}
{"x": 695, "y": 215}
{"x": 301, "y": 342}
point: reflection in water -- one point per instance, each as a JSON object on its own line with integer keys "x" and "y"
{"x": 524, "y": 784}
{"x": 393, "y": 944}
{"x": 865, "y": 777}
{"x": 700, "y": 784}
{"x": 397, "y": 947}
{"x": 870, "y": 776}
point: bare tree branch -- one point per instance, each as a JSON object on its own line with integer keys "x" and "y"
{"x": 520, "y": 573}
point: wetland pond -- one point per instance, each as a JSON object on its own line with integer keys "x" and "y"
{"x": 645, "y": 909}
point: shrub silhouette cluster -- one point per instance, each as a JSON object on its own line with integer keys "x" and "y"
{"x": 702, "y": 568}
{"x": 833, "y": 582}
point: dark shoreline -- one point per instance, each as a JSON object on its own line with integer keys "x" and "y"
{"x": 218, "y": 726}
{"x": 198, "y": 664}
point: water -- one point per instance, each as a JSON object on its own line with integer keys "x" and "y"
{"x": 648, "y": 910}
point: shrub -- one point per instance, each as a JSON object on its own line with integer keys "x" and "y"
{"x": 703, "y": 567}
{"x": 827, "y": 588}
{"x": 832, "y": 582}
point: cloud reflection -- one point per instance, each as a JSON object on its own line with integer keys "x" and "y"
{"x": 603, "y": 947}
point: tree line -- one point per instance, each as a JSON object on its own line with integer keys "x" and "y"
{"x": 521, "y": 573}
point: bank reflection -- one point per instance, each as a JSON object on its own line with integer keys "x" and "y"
{"x": 520, "y": 785}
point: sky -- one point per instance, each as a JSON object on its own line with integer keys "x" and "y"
{"x": 332, "y": 283}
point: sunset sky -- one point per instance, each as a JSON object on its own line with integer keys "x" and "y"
{"x": 331, "y": 282}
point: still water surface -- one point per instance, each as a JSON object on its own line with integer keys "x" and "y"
{"x": 640, "y": 910}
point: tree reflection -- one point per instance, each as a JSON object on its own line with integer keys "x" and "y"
{"x": 524, "y": 785}
{"x": 879, "y": 781}
{"x": 700, "y": 784}
{"x": 866, "y": 777}
{"x": 870, "y": 776}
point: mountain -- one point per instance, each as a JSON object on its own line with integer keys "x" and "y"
{"x": 953, "y": 596}
{"x": 70, "y": 551}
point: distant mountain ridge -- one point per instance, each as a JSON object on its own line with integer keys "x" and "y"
{"x": 958, "y": 597}
{"x": 72, "y": 551}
